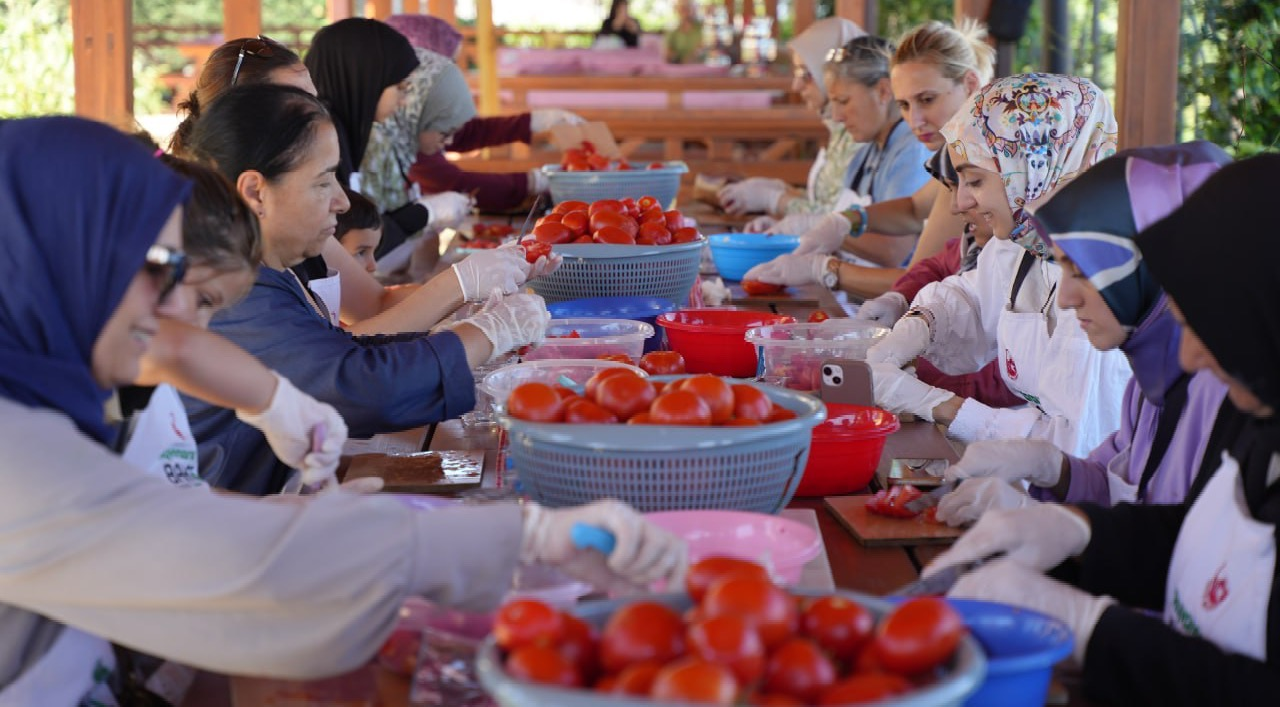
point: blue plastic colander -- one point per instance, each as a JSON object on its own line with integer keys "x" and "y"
{"x": 662, "y": 184}
{"x": 605, "y": 270}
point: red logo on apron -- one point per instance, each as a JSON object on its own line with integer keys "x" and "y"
{"x": 1009, "y": 366}
{"x": 1215, "y": 590}
{"x": 173, "y": 425}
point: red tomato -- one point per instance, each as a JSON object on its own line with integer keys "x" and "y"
{"x": 707, "y": 571}
{"x": 674, "y": 219}
{"x": 535, "y": 402}
{"x": 641, "y": 418}
{"x": 654, "y": 231}
{"x": 637, "y": 678}
{"x": 565, "y": 207}
{"x": 918, "y": 634}
{"x": 773, "y": 699}
{"x": 759, "y": 601}
{"x": 750, "y": 403}
{"x": 606, "y": 683}
{"x": 598, "y": 162}
{"x": 582, "y": 240}
{"x": 729, "y": 641}
{"x": 741, "y": 422}
{"x": 685, "y": 235}
{"x": 580, "y": 166}
{"x": 679, "y": 407}
{"x": 646, "y": 202}
{"x": 588, "y": 146}
{"x": 566, "y": 394}
{"x": 549, "y": 218}
{"x": 779, "y": 413}
{"x": 660, "y": 363}
{"x": 576, "y": 222}
{"x": 799, "y": 667}
{"x": 552, "y": 233}
{"x": 839, "y": 625}
{"x": 893, "y": 501}
{"x": 604, "y": 205}
{"x": 526, "y": 622}
{"x": 693, "y": 680}
{"x": 578, "y": 644}
{"x": 656, "y": 165}
{"x": 755, "y": 287}
{"x": 625, "y": 396}
{"x": 653, "y": 213}
{"x": 638, "y": 632}
{"x": 594, "y": 381}
{"x": 633, "y": 209}
{"x": 606, "y": 219}
{"x": 863, "y": 688}
{"x": 619, "y": 357}
{"x": 818, "y": 316}
{"x": 535, "y": 249}
{"x": 616, "y": 236}
{"x": 543, "y": 664}
{"x": 715, "y": 392}
{"x": 581, "y": 411}
{"x": 399, "y": 653}
{"x": 868, "y": 661}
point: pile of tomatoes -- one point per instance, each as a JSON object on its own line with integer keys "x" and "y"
{"x": 745, "y": 640}
{"x": 586, "y": 159}
{"x": 618, "y": 221}
{"x": 619, "y": 395}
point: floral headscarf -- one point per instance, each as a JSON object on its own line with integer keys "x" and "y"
{"x": 1038, "y": 132}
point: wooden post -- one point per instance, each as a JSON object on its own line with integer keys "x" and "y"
{"x": 444, "y": 9}
{"x": 241, "y": 18}
{"x": 862, "y": 12}
{"x": 730, "y": 10}
{"x": 771, "y": 9}
{"x": 486, "y": 57}
{"x": 339, "y": 10}
{"x": 1146, "y": 72}
{"x": 410, "y": 7}
{"x": 103, "y": 57}
{"x": 977, "y": 9}
{"x": 377, "y": 9}
{"x": 806, "y": 13}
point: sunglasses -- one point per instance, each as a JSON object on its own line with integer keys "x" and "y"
{"x": 859, "y": 49}
{"x": 167, "y": 266}
{"x": 259, "y": 46}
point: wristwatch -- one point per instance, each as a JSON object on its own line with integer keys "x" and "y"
{"x": 831, "y": 273}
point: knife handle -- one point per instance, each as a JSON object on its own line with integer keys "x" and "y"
{"x": 585, "y": 536}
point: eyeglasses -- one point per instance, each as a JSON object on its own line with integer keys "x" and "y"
{"x": 167, "y": 266}
{"x": 861, "y": 48}
{"x": 259, "y": 46}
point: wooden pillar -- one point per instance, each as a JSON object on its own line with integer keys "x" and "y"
{"x": 444, "y": 9}
{"x": 806, "y": 13}
{"x": 102, "y": 32}
{"x": 1146, "y": 72}
{"x": 241, "y": 18}
{"x": 339, "y": 10}
{"x": 486, "y": 57}
{"x": 730, "y": 10}
{"x": 377, "y": 9}
{"x": 410, "y": 7}
{"x": 977, "y": 9}
{"x": 864, "y": 12}
{"x": 771, "y": 8}
{"x": 748, "y": 11}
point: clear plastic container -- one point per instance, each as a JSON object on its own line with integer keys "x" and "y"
{"x": 590, "y": 338}
{"x": 792, "y": 354}
{"x": 499, "y": 384}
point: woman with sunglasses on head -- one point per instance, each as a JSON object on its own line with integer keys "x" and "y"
{"x": 1176, "y": 604}
{"x": 1166, "y": 414}
{"x": 279, "y": 147}
{"x": 97, "y": 552}
{"x": 826, "y": 177}
{"x": 1020, "y": 140}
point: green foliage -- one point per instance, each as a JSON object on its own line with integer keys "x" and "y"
{"x": 35, "y": 58}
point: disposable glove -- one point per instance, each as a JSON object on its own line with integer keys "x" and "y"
{"x": 886, "y": 309}
{"x": 287, "y": 422}
{"x": 790, "y": 269}
{"x": 974, "y": 497}
{"x": 795, "y": 224}
{"x": 503, "y": 268}
{"x": 896, "y": 390}
{"x": 754, "y": 195}
{"x": 909, "y": 338}
{"x": 545, "y": 265}
{"x": 760, "y": 224}
{"x": 1040, "y": 536}
{"x": 538, "y": 182}
{"x": 826, "y": 235}
{"x": 516, "y": 320}
{"x": 1035, "y": 460}
{"x": 643, "y": 553}
{"x": 543, "y": 119}
{"x": 446, "y": 209}
{"x": 1007, "y": 582}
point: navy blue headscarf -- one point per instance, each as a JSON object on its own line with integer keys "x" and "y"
{"x": 80, "y": 203}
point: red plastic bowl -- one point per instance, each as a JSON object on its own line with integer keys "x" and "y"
{"x": 714, "y": 340}
{"x": 846, "y": 449}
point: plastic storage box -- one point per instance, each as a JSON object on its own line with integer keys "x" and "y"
{"x": 796, "y": 351}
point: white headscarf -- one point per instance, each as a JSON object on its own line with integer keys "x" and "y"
{"x": 817, "y": 39}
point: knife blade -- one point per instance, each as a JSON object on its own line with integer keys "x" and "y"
{"x": 940, "y": 582}
{"x": 929, "y": 499}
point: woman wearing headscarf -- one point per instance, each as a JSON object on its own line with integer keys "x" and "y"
{"x": 827, "y": 175}
{"x": 1091, "y": 224}
{"x": 1176, "y": 604}
{"x": 94, "y": 550}
{"x": 1020, "y": 140}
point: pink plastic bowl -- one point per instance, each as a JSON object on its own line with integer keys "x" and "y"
{"x": 786, "y": 544}
{"x": 714, "y": 340}
{"x": 846, "y": 449}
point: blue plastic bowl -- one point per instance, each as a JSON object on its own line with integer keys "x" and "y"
{"x": 736, "y": 253}
{"x": 640, "y": 309}
{"x": 1022, "y": 647}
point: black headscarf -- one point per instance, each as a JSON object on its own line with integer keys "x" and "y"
{"x": 351, "y": 62}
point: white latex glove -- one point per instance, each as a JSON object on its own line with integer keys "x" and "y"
{"x": 545, "y": 265}
{"x": 760, "y": 224}
{"x": 287, "y": 422}
{"x": 1040, "y": 536}
{"x": 503, "y": 268}
{"x": 754, "y": 195}
{"x": 516, "y": 320}
{"x": 790, "y": 269}
{"x": 899, "y": 391}
{"x": 1007, "y": 582}
{"x": 909, "y": 338}
{"x": 446, "y": 209}
{"x": 538, "y": 182}
{"x": 795, "y": 224}
{"x": 886, "y": 309}
{"x": 542, "y": 119}
{"x": 977, "y": 496}
{"x": 826, "y": 235}
{"x": 1035, "y": 460}
{"x": 643, "y": 553}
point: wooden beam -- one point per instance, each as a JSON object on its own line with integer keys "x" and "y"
{"x": 410, "y": 7}
{"x": 1147, "y": 72}
{"x": 241, "y": 18}
{"x": 864, "y": 12}
{"x": 486, "y": 57}
{"x": 806, "y": 13}
{"x": 339, "y": 10}
{"x": 103, "y": 57}
{"x": 377, "y": 9}
{"x": 444, "y": 9}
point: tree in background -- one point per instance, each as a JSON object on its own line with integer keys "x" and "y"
{"x": 35, "y": 58}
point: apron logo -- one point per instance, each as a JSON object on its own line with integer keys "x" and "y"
{"x": 1009, "y": 366}
{"x": 1215, "y": 590}
{"x": 173, "y": 425}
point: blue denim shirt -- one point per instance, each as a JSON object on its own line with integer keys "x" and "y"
{"x": 893, "y": 172}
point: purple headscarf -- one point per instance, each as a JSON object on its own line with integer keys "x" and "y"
{"x": 427, "y": 32}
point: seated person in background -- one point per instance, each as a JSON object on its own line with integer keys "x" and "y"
{"x": 620, "y": 24}
{"x": 683, "y": 45}
{"x": 360, "y": 229}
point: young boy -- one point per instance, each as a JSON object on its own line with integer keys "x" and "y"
{"x": 360, "y": 229}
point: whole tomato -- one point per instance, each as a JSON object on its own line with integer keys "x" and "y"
{"x": 625, "y": 396}
{"x": 576, "y": 221}
{"x": 594, "y": 381}
{"x": 799, "y": 667}
{"x": 750, "y": 403}
{"x": 655, "y": 214}
{"x": 543, "y": 664}
{"x": 679, "y": 407}
{"x": 715, "y": 392}
{"x": 526, "y": 622}
{"x": 756, "y": 288}
{"x": 685, "y": 235}
{"x": 549, "y": 218}
{"x": 615, "y": 236}
{"x": 618, "y": 357}
{"x": 552, "y": 233}
{"x": 581, "y": 411}
{"x": 707, "y": 571}
{"x": 565, "y": 207}
{"x": 612, "y": 219}
{"x": 578, "y": 644}
{"x": 917, "y": 635}
{"x": 661, "y": 363}
{"x": 729, "y": 641}
{"x": 641, "y": 418}
{"x": 775, "y": 699}
{"x": 535, "y": 249}
{"x": 864, "y": 687}
{"x": 656, "y": 165}
{"x": 818, "y": 316}
{"x": 638, "y": 632}
{"x": 646, "y": 202}
{"x": 535, "y": 402}
{"x": 637, "y": 678}
{"x": 653, "y": 233}
{"x": 674, "y": 219}
{"x": 840, "y": 626}
{"x": 779, "y": 413}
{"x": 760, "y": 601}
{"x": 605, "y": 205}
{"x": 694, "y": 680}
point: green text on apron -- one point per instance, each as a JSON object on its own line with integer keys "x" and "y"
{"x": 74, "y": 671}
{"x": 162, "y": 443}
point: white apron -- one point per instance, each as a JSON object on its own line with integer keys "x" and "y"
{"x": 1222, "y": 568}
{"x": 162, "y": 443}
{"x": 329, "y": 290}
{"x": 74, "y": 671}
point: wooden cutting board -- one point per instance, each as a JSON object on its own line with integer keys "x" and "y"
{"x": 421, "y": 472}
{"x": 789, "y": 295}
{"x": 874, "y": 531}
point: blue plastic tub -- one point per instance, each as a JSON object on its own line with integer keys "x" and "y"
{"x": 640, "y": 309}
{"x": 736, "y": 253}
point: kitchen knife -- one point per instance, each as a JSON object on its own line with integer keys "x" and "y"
{"x": 929, "y": 499}
{"x": 940, "y": 582}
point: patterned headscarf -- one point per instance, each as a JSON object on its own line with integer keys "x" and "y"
{"x": 427, "y": 32}
{"x": 1038, "y": 132}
